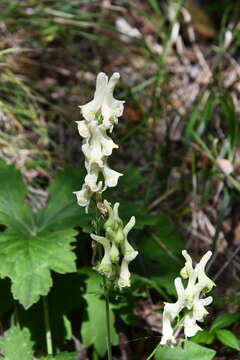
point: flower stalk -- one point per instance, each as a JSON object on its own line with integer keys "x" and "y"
{"x": 99, "y": 117}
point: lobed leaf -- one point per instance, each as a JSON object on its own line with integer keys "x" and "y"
{"x": 35, "y": 244}
{"x": 62, "y": 210}
{"x": 14, "y": 212}
{"x": 94, "y": 328}
{"x": 17, "y": 344}
{"x": 28, "y": 259}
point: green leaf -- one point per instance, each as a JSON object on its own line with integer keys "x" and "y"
{"x": 68, "y": 328}
{"x": 17, "y": 344}
{"x": 35, "y": 244}
{"x": 163, "y": 244}
{"x": 228, "y": 338}
{"x": 130, "y": 180}
{"x": 13, "y": 211}
{"x": 203, "y": 337}
{"x": 193, "y": 118}
{"x": 224, "y": 320}
{"x": 94, "y": 328}
{"x": 62, "y": 210}
{"x": 27, "y": 261}
{"x": 230, "y": 117}
{"x": 190, "y": 350}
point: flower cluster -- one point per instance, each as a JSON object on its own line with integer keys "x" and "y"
{"x": 189, "y": 298}
{"x": 99, "y": 115}
{"x": 116, "y": 246}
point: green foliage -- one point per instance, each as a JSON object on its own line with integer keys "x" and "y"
{"x": 188, "y": 351}
{"x": 61, "y": 210}
{"x": 94, "y": 328}
{"x": 34, "y": 244}
{"x": 203, "y": 337}
{"x": 17, "y": 344}
{"x": 224, "y": 320}
{"x": 217, "y": 330}
{"x": 27, "y": 261}
{"x": 230, "y": 117}
{"x": 228, "y": 338}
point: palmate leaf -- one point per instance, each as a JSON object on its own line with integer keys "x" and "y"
{"x": 62, "y": 210}
{"x": 34, "y": 244}
{"x": 94, "y": 328}
{"x": 17, "y": 345}
{"x": 28, "y": 259}
{"x": 13, "y": 211}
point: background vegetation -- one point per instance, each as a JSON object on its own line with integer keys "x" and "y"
{"x": 179, "y": 150}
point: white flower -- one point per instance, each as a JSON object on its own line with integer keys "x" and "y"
{"x": 190, "y": 325}
{"x": 116, "y": 244}
{"x": 189, "y": 298}
{"x": 103, "y": 103}
{"x": 124, "y": 278}
{"x": 90, "y": 110}
{"x": 129, "y": 255}
{"x": 100, "y": 115}
{"x": 105, "y": 266}
{"x": 110, "y": 176}
{"x": 170, "y": 312}
{"x": 205, "y": 282}
{"x": 83, "y": 196}
{"x": 91, "y": 181}
{"x": 112, "y": 109}
{"x": 199, "y": 311}
{"x": 83, "y": 129}
{"x": 107, "y": 144}
{"x": 167, "y": 330}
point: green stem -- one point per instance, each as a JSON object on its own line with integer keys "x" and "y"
{"x": 153, "y": 352}
{"x": 47, "y": 327}
{"x": 16, "y": 313}
{"x": 106, "y": 294}
{"x": 105, "y": 285}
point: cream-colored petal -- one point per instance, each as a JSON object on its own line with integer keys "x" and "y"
{"x": 111, "y": 108}
{"x": 105, "y": 266}
{"x": 205, "y": 283}
{"x": 91, "y": 181}
{"x": 107, "y": 144}
{"x": 124, "y": 278}
{"x": 111, "y": 176}
{"x": 190, "y": 325}
{"x": 90, "y": 110}
{"x": 83, "y": 196}
{"x": 167, "y": 330}
{"x": 83, "y": 129}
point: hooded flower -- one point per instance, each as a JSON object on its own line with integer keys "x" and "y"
{"x": 116, "y": 246}
{"x": 189, "y": 298}
{"x": 100, "y": 115}
{"x": 103, "y": 106}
